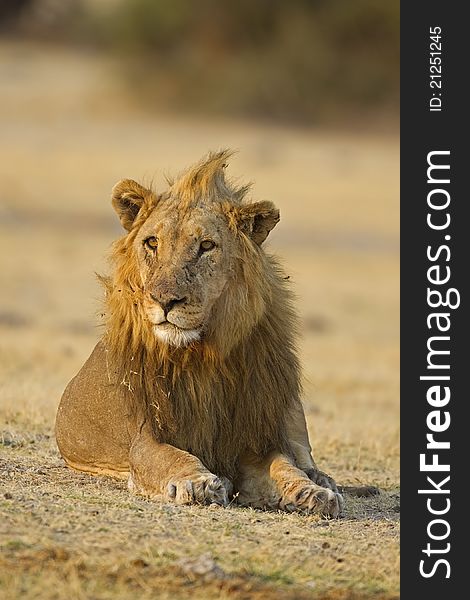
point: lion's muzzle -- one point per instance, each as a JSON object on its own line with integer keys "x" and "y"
{"x": 167, "y": 301}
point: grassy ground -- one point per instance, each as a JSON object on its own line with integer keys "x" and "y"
{"x": 67, "y": 136}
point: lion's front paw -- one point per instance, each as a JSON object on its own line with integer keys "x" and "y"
{"x": 311, "y": 498}
{"x": 322, "y": 479}
{"x": 202, "y": 489}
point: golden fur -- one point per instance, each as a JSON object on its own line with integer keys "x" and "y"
{"x": 252, "y": 343}
{"x": 225, "y": 400}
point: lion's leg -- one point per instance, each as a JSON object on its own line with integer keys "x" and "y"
{"x": 302, "y": 451}
{"x": 275, "y": 482}
{"x": 161, "y": 470}
{"x": 298, "y": 439}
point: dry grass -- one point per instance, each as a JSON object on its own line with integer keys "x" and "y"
{"x": 66, "y": 139}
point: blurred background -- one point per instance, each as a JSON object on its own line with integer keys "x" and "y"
{"x": 306, "y": 90}
{"x": 306, "y": 61}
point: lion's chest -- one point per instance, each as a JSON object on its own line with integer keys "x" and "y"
{"x": 219, "y": 423}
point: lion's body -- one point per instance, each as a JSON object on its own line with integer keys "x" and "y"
{"x": 196, "y": 381}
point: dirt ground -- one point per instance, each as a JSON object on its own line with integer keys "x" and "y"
{"x": 68, "y": 133}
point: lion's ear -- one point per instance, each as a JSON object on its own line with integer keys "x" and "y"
{"x": 258, "y": 219}
{"x": 127, "y": 198}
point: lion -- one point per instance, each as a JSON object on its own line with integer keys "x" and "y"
{"x": 193, "y": 393}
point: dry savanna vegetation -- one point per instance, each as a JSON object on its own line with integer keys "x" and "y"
{"x": 67, "y": 137}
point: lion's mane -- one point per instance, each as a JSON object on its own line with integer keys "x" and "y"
{"x": 231, "y": 391}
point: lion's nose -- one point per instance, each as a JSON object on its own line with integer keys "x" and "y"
{"x": 167, "y": 302}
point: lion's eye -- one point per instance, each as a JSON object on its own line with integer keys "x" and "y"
{"x": 151, "y": 242}
{"x": 207, "y": 245}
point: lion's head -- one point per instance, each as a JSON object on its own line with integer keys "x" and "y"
{"x": 191, "y": 254}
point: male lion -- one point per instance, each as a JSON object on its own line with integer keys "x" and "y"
{"x": 193, "y": 392}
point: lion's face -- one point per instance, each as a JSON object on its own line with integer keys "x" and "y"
{"x": 185, "y": 263}
{"x": 186, "y": 245}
